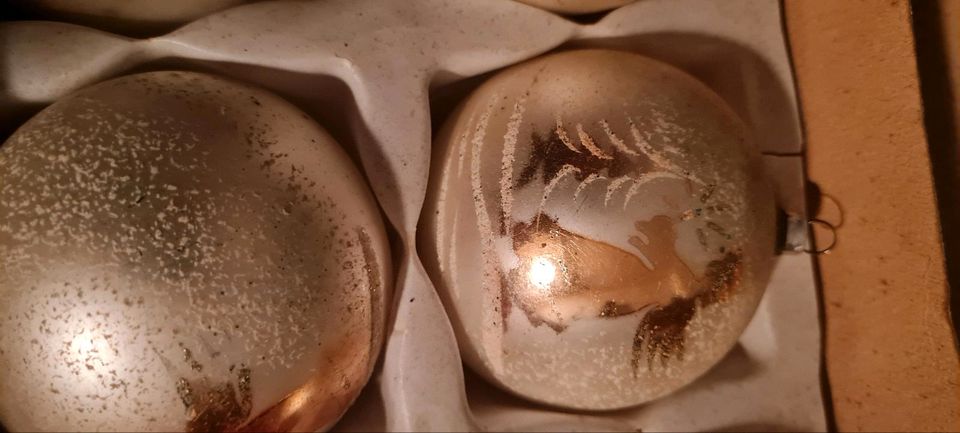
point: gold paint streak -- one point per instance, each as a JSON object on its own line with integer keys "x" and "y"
{"x": 593, "y": 274}
{"x": 325, "y": 397}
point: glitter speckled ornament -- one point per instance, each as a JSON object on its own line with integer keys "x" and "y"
{"x": 179, "y": 251}
{"x": 599, "y": 228}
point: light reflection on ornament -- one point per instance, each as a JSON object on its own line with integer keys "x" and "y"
{"x": 90, "y": 348}
{"x": 542, "y": 272}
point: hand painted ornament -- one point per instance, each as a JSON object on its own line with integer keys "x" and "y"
{"x": 599, "y": 228}
{"x": 183, "y": 252}
{"x": 577, "y": 6}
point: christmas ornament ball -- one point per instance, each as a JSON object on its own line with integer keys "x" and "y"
{"x": 183, "y": 252}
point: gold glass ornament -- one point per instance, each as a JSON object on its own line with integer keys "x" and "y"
{"x": 599, "y": 228}
{"x": 183, "y": 252}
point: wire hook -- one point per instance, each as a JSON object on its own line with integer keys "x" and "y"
{"x": 833, "y": 236}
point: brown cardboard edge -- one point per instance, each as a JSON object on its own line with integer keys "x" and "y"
{"x": 936, "y": 25}
{"x": 890, "y": 350}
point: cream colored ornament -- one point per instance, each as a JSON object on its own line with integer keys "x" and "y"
{"x": 577, "y": 6}
{"x": 183, "y": 252}
{"x": 599, "y": 228}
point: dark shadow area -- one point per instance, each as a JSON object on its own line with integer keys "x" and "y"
{"x": 735, "y": 367}
{"x": 8, "y": 123}
{"x": 19, "y": 10}
{"x": 590, "y": 18}
{"x": 825, "y": 387}
{"x": 30, "y": 10}
{"x": 10, "y": 120}
{"x": 581, "y": 18}
{"x": 447, "y": 91}
{"x": 939, "y": 106}
{"x": 480, "y": 392}
{"x": 13, "y": 112}
{"x": 367, "y": 413}
{"x": 11, "y": 11}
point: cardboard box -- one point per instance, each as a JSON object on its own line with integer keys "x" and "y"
{"x": 891, "y": 354}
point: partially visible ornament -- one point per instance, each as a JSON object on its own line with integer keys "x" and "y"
{"x": 183, "y": 252}
{"x": 126, "y": 16}
{"x": 599, "y": 228}
{"x": 576, "y": 6}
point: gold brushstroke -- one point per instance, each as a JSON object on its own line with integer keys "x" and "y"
{"x": 662, "y": 332}
{"x": 318, "y": 403}
{"x": 564, "y": 277}
{"x": 592, "y": 274}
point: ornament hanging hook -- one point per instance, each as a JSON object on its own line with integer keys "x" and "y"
{"x": 812, "y": 222}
